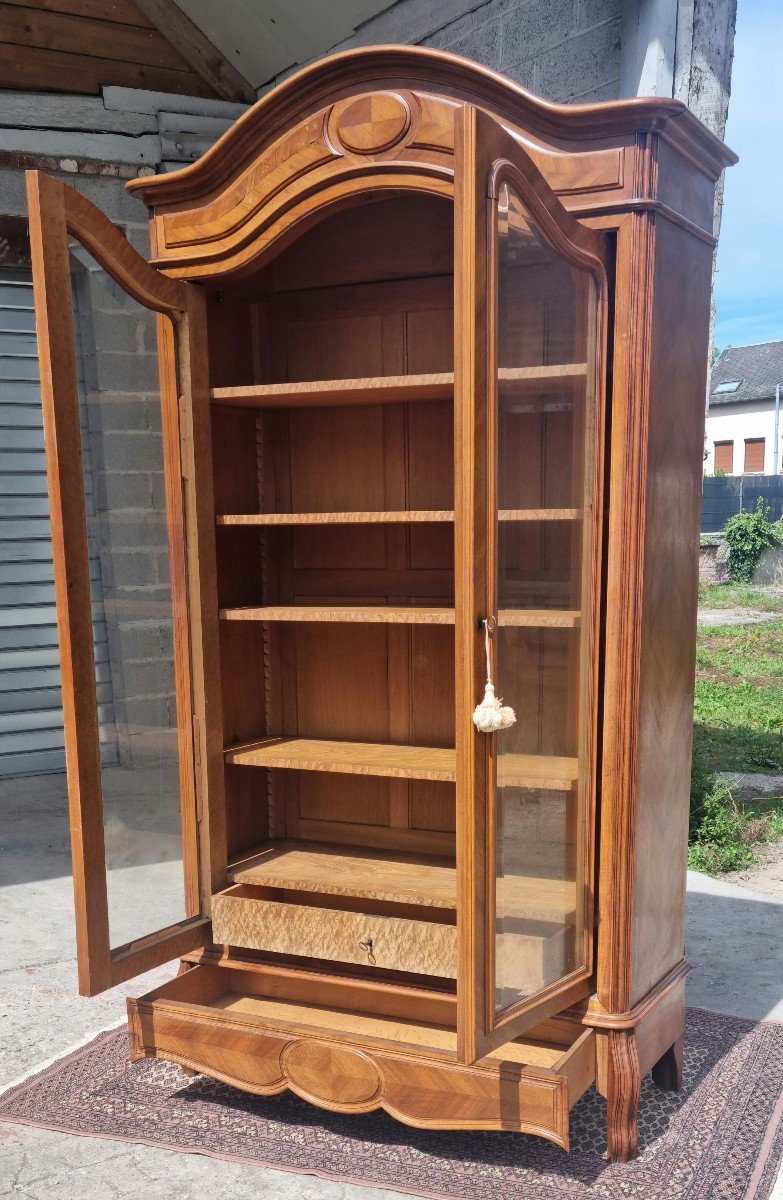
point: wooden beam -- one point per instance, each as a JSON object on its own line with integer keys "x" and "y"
{"x": 204, "y": 58}
{"x": 34, "y": 69}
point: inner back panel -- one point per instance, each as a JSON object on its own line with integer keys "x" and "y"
{"x": 368, "y": 292}
{"x": 360, "y": 682}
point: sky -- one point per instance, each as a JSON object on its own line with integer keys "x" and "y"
{"x": 749, "y": 281}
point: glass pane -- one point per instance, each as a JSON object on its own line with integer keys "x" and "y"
{"x": 545, "y": 419}
{"x": 122, "y": 450}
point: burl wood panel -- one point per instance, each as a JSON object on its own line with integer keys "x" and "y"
{"x": 537, "y": 771}
{"x": 390, "y": 942}
{"x": 379, "y": 390}
{"x": 379, "y": 614}
{"x": 359, "y": 758}
{"x": 394, "y": 877}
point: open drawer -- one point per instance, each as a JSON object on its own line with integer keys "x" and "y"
{"x": 351, "y": 1046}
{"x": 385, "y": 909}
{"x": 417, "y": 939}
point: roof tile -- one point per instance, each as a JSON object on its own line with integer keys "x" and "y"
{"x": 759, "y": 368}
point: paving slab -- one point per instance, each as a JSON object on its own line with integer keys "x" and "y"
{"x": 734, "y": 942}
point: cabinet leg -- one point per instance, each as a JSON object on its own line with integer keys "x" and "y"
{"x": 667, "y": 1072}
{"x": 623, "y": 1085}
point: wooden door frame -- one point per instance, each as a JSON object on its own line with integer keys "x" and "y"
{"x": 486, "y": 155}
{"x": 55, "y": 211}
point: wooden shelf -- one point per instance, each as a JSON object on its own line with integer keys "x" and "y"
{"x": 347, "y": 758}
{"x": 393, "y": 877}
{"x": 384, "y": 389}
{"x": 391, "y": 517}
{"x": 533, "y": 618}
{"x": 539, "y": 618}
{"x": 380, "y": 615}
{"x": 533, "y": 379}
{"x": 540, "y": 514}
{"x": 542, "y": 771}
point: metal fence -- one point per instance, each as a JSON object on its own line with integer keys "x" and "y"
{"x": 724, "y": 496}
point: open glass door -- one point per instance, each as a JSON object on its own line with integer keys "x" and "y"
{"x": 119, "y": 440}
{"x": 531, "y": 325}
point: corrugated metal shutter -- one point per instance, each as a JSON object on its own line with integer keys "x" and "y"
{"x": 31, "y": 718}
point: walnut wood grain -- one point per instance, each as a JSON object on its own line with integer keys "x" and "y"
{"x": 580, "y": 126}
{"x": 527, "y": 1053}
{"x": 341, "y": 380}
{"x": 350, "y": 1062}
{"x": 622, "y": 1098}
{"x": 57, "y": 211}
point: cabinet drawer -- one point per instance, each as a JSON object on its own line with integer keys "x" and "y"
{"x": 265, "y": 1029}
{"x": 337, "y": 929}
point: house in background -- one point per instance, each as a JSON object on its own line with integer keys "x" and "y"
{"x": 743, "y": 434}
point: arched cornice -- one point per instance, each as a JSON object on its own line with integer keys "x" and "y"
{"x": 396, "y": 67}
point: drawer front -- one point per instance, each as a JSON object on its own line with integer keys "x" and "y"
{"x": 345, "y": 1078}
{"x": 193, "y": 1022}
{"x": 396, "y": 943}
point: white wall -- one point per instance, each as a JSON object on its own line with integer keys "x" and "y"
{"x": 729, "y": 423}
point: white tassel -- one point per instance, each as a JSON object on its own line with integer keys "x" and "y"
{"x": 491, "y": 714}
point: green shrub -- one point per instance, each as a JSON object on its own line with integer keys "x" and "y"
{"x": 748, "y": 534}
{"x": 718, "y": 834}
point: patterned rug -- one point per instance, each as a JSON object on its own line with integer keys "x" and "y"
{"x": 721, "y": 1138}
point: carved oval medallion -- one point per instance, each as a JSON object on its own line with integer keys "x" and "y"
{"x": 369, "y": 124}
{"x": 331, "y": 1074}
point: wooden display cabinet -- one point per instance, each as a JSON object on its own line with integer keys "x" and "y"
{"x": 432, "y": 364}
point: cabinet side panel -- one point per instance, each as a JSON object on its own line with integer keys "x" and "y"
{"x": 677, "y": 389}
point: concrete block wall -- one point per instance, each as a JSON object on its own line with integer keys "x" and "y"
{"x": 128, "y": 519}
{"x": 565, "y": 50}
{"x": 122, "y": 425}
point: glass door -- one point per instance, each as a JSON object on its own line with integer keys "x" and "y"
{"x": 529, "y": 391}
{"x": 121, "y": 432}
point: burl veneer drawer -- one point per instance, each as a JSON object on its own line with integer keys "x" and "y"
{"x": 423, "y": 941}
{"x": 265, "y": 1030}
